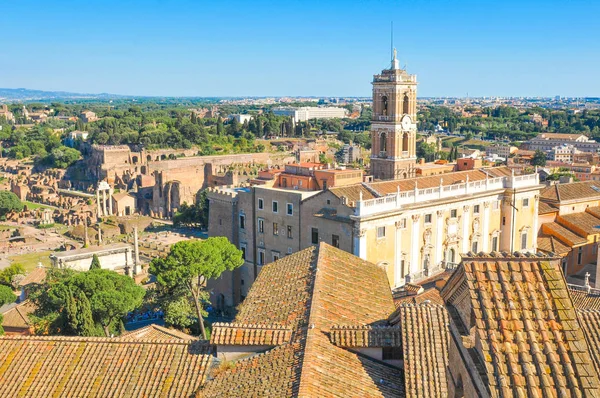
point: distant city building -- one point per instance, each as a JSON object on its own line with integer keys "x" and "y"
{"x": 546, "y": 141}
{"x": 88, "y": 116}
{"x": 117, "y": 257}
{"x": 563, "y": 153}
{"x": 311, "y": 112}
{"x": 75, "y": 136}
{"x": 500, "y": 150}
{"x": 5, "y": 113}
{"x": 349, "y": 154}
{"x": 242, "y": 118}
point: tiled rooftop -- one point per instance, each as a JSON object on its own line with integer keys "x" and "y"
{"x": 527, "y": 333}
{"x": 563, "y": 234}
{"x": 99, "y": 367}
{"x": 571, "y": 191}
{"x": 310, "y": 292}
{"x": 156, "y": 332}
{"x": 246, "y": 334}
{"x": 425, "y": 346}
{"x": 551, "y": 244}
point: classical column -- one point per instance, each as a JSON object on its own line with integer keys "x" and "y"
{"x": 104, "y": 202}
{"x": 415, "y": 266}
{"x": 439, "y": 255}
{"x": 98, "y": 203}
{"x": 536, "y": 202}
{"x": 110, "y": 207}
{"x": 398, "y": 277}
{"x": 466, "y": 235}
{"x": 486, "y": 227}
{"x": 360, "y": 242}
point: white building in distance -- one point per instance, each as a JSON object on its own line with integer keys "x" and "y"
{"x": 311, "y": 112}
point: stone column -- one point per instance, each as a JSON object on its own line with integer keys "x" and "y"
{"x": 98, "y": 203}
{"x": 466, "y": 246}
{"x": 398, "y": 277}
{"x": 110, "y": 206}
{"x": 486, "y": 227}
{"x": 104, "y": 202}
{"x": 99, "y": 235}
{"x": 360, "y": 242}
{"x": 136, "y": 258}
{"x": 439, "y": 254}
{"x": 415, "y": 266}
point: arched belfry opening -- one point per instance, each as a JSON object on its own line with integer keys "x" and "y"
{"x": 384, "y": 105}
{"x": 405, "y": 142}
{"x": 383, "y": 142}
{"x": 405, "y": 104}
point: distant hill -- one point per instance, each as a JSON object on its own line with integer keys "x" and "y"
{"x": 24, "y": 94}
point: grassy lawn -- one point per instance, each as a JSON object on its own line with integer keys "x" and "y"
{"x": 30, "y": 260}
{"x": 6, "y": 227}
{"x": 31, "y": 205}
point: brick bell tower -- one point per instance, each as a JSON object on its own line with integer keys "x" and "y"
{"x": 394, "y": 124}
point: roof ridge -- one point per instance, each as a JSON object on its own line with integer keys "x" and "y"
{"x": 115, "y": 340}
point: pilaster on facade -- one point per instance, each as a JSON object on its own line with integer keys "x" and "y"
{"x": 465, "y": 230}
{"x": 415, "y": 265}
{"x": 486, "y": 227}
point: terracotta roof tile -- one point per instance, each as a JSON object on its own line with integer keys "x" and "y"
{"x": 545, "y": 208}
{"x": 99, "y": 367}
{"x": 530, "y": 341}
{"x": 366, "y": 336}
{"x": 550, "y": 244}
{"x": 425, "y": 346}
{"x": 582, "y": 223}
{"x": 36, "y": 276}
{"x": 585, "y": 301}
{"x": 563, "y": 233}
{"x": 571, "y": 191}
{"x": 156, "y": 332}
{"x": 246, "y": 334}
{"x": 309, "y": 292}
{"x": 18, "y": 316}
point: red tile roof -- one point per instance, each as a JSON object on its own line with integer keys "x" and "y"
{"x": 425, "y": 346}
{"x": 526, "y": 330}
{"x": 156, "y": 332}
{"x": 247, "y": 334}
{"x": 366, "y": 336}
{"x": 310, "y": 292}
{"x": 40, "y": 367}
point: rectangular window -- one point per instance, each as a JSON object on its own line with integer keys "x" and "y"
{"x": 523, "y": 241}
{"x": 290, "y": 209}
{"x": 261, "y": 257}
{"x": 427, "y": 218}
{"x": 503, "y": 220}
{"x": 453, "y": 213}
{"x": 525, "y": 202}
{"x": 403, "y": 223}
{"x": 314, "y": 236}
{"x": 474, "y": 247}
{"x": 261, "y": 226}
{"x": 275, "y": 207}
{"x": 328, "y": 201}
{"x": 335, "y": 241}
{"x": 261, "y": 204}
{"x": 476, "y": 209}
{"x": 243, "y": 250}
{"x": 494, "y": 243}
{"x": 275, "y": 256}
{"x": 275, "y": 229}
{"x": 289, "y": 232}
{"x": 380, "y": 232}
{"x": 495, "y": 205}
{"x": 579, "y": 255}
{"x": 242, "y": 221}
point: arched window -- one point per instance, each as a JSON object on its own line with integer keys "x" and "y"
{"x": 384, "y": 105}
{"x": 405, "y": 142}
{"x": 405, "y": 104}
{"x": 382, "y": 142}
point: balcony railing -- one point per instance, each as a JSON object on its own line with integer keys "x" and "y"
{"x": 400, "y": 199}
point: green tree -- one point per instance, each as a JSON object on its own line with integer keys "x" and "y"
{"x": 191, "y": 263}
{"x": 6, "y": 295}
{"x": 95, "y": 263}
{"x": 9, "y": 202}
{"x": 71, "y": 302}
{"x": 7, "y": 274}
{"x": 539, "y": 158}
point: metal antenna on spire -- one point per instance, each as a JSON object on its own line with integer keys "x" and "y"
{"x": 392, "y": 40}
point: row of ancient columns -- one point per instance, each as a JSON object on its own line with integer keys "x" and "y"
{"x": 101, "y": 203}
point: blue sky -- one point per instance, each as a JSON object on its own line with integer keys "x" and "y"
{"x": 320, "y": 48}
